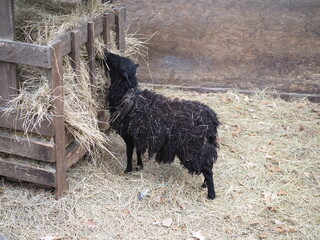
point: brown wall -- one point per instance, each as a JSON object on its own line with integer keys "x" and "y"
{"x": 231, "y": 43}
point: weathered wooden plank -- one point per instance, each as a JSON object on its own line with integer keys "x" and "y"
{"x": 83, "y": 29}
{"x": 69, "y": 138}
{"x": 98, "y": 25}
{"x": 65, "y": 40}
{"x": 120, "y": 20}
{"x": 23, "y": 172}
{"x": 58, "y": 120}
{"x": 91, "y": 56}
{"x": 75, "y": 153}
{"x": 24, "y": 147}
{"x": 106, "y": 29}
{"x": 7, "y": 25}
{"x": 8, "y": 78}
{"x": 22, "y": 53}
{"x": 12, "y": 120}
{"x": 75, "y": 53}
{"x": 8, "y": 82}
{"x": 112, "y": 18}
{"x": 25, "y": 53}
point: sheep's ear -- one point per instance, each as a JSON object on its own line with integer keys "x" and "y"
{"x": 136, "y": 66}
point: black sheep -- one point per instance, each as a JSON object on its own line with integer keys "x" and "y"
{"x": 167, "y": 128}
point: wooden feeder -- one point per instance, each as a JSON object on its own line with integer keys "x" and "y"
{"x": 64, "y": 151}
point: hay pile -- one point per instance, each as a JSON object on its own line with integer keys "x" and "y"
{"x": 267, "y": 182}
{"x": 40, "y": 22}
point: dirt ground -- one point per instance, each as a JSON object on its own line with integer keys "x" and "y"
{"x": 267, "y": 182}
{"x": 241, "y": 44}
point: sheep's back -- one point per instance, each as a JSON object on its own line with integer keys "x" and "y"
{"x": 172, "y": 127}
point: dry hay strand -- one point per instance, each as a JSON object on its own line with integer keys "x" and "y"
{"x": 42, "y": 21}
{"x": 137, "y": 46}
{"x": 266, "y": 178}
{"x": 34, "y": 98}
{"x": 81, "y": 108}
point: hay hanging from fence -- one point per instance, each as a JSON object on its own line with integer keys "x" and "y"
{"x": 39, "y": 22}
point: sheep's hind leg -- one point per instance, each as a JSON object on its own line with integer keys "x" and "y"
{"x": 208, "y": 178}
{"x": 139, "y": 161}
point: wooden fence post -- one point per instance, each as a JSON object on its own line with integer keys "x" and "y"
{"x": 91, "y": 55}
{"x": 106, "y": 29}
{"x": 120, "y": 32}
{"x": 58, "y": 119}
{"x": 75, "y": 53}
{"x": 8, "y": 77}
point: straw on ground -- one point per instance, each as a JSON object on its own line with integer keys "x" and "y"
{"x": 267, "y": 182}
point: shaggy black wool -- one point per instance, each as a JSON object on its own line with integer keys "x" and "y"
{"x": 160, "y": 126}
{"x": 169, "y": 128}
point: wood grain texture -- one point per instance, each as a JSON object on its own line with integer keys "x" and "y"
{"x": 120, "y": 20}
{"x": 13, "y": 120}
{"x": 75, "y": 53}
{"x": 8, "y": 82}
{"x": 8, "y": 78}
{"x": 91, "y": 57}
{"x": 24, "y": 172}
{"x": 106, "y": 28}
{"x": 74, "y": 154}
{"x": 7, "y": 25}
{"x": 25, "y": 147}
{"x": 58, "y": 120}
{"x": 25, "y": 53}
{"x": 83, "y": 28}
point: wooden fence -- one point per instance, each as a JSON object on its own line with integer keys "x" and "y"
{"x": 58, "y": 156}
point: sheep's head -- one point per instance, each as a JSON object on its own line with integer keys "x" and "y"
{"x": 121, "y": 70}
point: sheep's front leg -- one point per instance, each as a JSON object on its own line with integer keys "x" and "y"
{"x": 139, "y": 161}
{"x": 130, "y": 147}
{"x": 208, "y": 178}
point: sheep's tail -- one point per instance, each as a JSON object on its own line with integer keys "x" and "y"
{"x": 212, "y": 137}
{"x": 212, "y": 146}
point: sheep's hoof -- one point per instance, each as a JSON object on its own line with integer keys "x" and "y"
{"x": 127, "y": 171}
{"x": 204, "y": 185}
{"x": 210, "y": 197}
{"x": 139, "y": 167}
